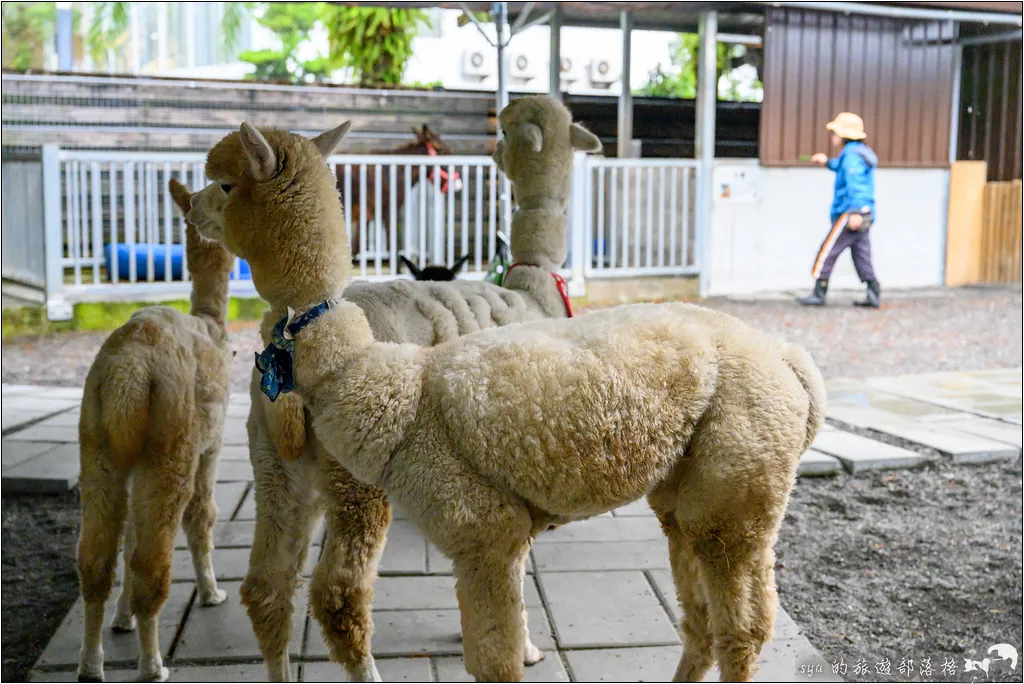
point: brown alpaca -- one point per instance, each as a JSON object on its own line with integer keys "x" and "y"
{"x": 295, "y": 478}
{"x": 489, "y": 438}
{"x": 152, "y": 417}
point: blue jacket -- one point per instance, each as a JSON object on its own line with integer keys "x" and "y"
{"x": 855, "y": 179}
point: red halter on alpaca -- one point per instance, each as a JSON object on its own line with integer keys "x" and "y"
{"x": 442, "y": 172}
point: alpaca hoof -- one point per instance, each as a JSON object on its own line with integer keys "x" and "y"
{"x": 161, "y": 675}
{"x": 365, "y": 672}
{"x": 123, "y": 624}
{"x": 215, "y": 599}
{"x": 533, "y": 655}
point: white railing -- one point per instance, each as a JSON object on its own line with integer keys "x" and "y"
{"x": 642, "y": 219}
{"x": 111, "y": 225}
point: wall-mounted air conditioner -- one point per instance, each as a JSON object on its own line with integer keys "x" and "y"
{"x": 523, "y": 66}
{"x": 571, "y": 70}
{"x": 478, "y": 64}
{"x": 603, "y": 72}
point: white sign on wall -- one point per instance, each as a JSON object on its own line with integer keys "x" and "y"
{"x": 737, "y": 184}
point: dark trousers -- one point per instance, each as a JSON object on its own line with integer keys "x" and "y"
{"x": 840, "y": 238}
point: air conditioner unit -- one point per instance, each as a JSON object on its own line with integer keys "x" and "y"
{"x": 571, "y": 70}
{"x": 522, "y": 66}
{"x": 603, "y": 72}
{"x": 478, "y": 64}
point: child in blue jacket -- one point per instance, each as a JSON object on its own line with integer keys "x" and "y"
{"x": 853, "y": 210}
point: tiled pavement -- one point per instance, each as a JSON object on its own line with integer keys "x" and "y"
{"x": 599, "y": 592}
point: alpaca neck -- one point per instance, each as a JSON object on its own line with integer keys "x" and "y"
{"x": 210, "y": 295}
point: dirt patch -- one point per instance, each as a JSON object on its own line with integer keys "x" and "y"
{"x": 39, "y": 579}
{"x": 907, "y": 565}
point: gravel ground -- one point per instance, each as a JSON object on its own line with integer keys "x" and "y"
{"x": 910, "y": 564}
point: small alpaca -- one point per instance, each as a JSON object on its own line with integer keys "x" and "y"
{"x": 438, "y": 274}
{"x": 152, "y": 416}
{"x": 489, "y": 438}
{"x": 296, "y": 480}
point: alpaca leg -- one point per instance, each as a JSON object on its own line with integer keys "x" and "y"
{"x": 340, "y": 596}
{"x": 124, "y": 620}
{"x": 104, "y": 492}
{"x": 727, "y": 567}
{"x": 531, "y": 654}
{"x": 490, "y": 587}
{"x": 697, "y": 641}
{"x": 200, "y": 517}
{"x": 160, "y": 493}
{"x": 287, "y": 505}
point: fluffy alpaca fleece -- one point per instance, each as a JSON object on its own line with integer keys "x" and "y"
{"x": 491, "y": 437}
{"x": 152, "y": 418}
{"x": 294, "y": 482}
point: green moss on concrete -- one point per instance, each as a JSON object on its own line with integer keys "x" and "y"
{"x": 31, "y": 320}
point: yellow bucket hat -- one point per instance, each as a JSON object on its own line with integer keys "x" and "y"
{"x": 847, "y": 125}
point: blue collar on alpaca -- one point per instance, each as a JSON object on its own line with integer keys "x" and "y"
{"x": 275, "y": 362}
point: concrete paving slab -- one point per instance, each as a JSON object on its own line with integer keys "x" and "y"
{"x": 235, "y": 432}
{"x": 234, "y": 452}
{"x": 67, "y": 418}
{"x": 248, "y": 672}
{"x": 53, "y": 472}
{"x": 43, "y": 404}
{"x": 605, "y": 528}
{"x": 437, "y": 563}
{"x": 117, "y": 648}
{"x": 430, "y": 593}
{"x": 224, "y": 633}
{"x": 229, "y": 564}
{"x": 453, "y": 669}
{"x": 419, "y": 632}
{"x": 14, "y": 419}
{"x": 959, "y": 446}
{"x": 228, "y": 496}
{"x": 12, "y": 453}
{"x": 234, "y": 471}
{"x": 635, "y": 509}
{"x": 859, "y": 453}
{"x": 405, "y": 551}
{"x": 227, "y": 534}
{"x": 588, "y": 556}
{"x": 390, "y": 669}
{"x": 814, "y": 463}
{"x": 990, "y": 429}
{"x": 40, "y": 433}
{"x": 605, "y": 609}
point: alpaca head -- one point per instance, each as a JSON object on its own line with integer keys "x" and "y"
{"x": 205, "y": 257}
{"x": 536, "y": 149}
{"x": 434, "y": 273}
{"x": 273, "y": 201}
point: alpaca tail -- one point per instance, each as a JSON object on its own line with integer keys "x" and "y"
{"x": 802, "y": 365}
{"x": 124, "y": 410}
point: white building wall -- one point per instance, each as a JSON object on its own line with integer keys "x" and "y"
{"x": 765, "y": 239}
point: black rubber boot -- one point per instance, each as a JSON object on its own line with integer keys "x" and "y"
{"x": 873, "y": 299}
{"x": 816, "y": 298}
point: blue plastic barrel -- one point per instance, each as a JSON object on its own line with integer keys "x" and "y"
{"x": 160, "y": 253}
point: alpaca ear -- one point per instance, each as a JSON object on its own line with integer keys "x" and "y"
{"x": 459, "y": 264}
{"x": 534, "y": 136}
{"x": 582, "y": 139}
{"x": 262, "y": 158}
{"x": 328, "y": 141}
{"x": 411, "y": 266}
{"x": 180, "y": 194}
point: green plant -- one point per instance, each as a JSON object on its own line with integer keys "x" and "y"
{"x": 681, "y": 80}
{"x": 27, "y": 27}
{"x": 375, "y": 42}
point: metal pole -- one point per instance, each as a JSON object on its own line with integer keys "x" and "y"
{"x": 707, "y": 99}
{"x": 64, "y": 44}
{"x": 500, "y": 19}
{"x": 954, "y": 123}
{"x": 555, "y": 67}
{"x": 625, "y": 141}
{"x": 53, "y": 238}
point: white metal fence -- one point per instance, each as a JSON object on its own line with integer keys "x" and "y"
{"x": 112, "y": 233}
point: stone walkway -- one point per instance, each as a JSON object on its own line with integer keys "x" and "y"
{"x": 599, "y": 592}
